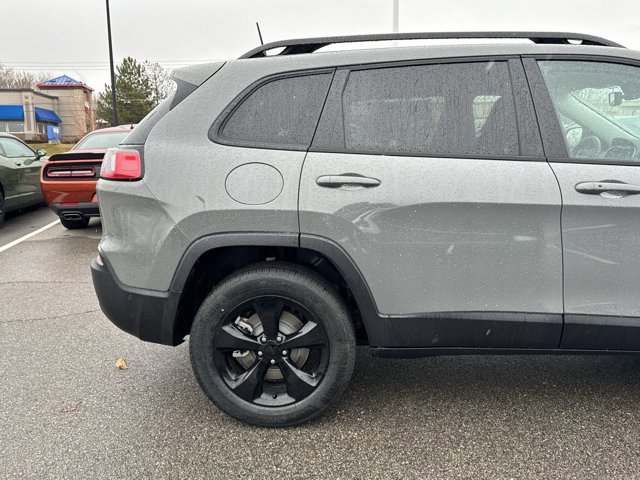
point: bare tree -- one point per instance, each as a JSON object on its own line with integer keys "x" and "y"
{"x": 161, "y": 85}
{"x": 11, "y": 78}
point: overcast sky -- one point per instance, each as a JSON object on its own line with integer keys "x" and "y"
{"x": 69, "y": 36}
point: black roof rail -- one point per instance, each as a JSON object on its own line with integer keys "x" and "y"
{"x": 310, "y": 45}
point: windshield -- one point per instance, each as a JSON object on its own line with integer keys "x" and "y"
{"x": 101, "y": 140}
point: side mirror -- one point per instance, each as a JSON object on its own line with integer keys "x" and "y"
{"x": 615, "y": 99}
{"x": 40, "y": 153}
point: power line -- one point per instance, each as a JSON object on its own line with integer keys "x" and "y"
{"x": 191, "y": 60}
{"x": 100, "y": 63}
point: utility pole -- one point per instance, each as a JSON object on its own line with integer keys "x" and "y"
{"x": 113, "y": 73}
{"x": 396, "y": 11}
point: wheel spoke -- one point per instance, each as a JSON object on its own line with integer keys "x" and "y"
{"x": 309, "y": 335}
{"x": 246, "y": 385}
{"x": 299, "y": 383}
{"x": 230, "y": 338}
{"x": 269, "y": 311}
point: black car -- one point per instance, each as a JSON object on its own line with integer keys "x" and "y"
{"x": 19, "y": 174}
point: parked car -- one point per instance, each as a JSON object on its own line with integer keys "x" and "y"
{"x": 19, "y": 174}
{"x": 282, "y": 209}
{"x": 69, "y": 179}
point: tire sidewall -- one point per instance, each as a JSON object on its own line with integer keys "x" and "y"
{"x": 302, "y": 287}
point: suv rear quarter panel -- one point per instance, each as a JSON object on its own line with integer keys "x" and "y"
{"x": 188, "y": 179}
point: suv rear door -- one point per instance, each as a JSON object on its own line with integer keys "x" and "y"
{"x": 431, "y": 178}
{"x": 589, "y": 106}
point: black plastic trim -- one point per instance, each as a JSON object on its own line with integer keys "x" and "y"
{"x": 390, "y": 352}
{"x": 220, "y": 240}
{"x": 529, "y": 139}
{"x": 475, "y": 329}
{"x": 71, "y": 155}
{"x": 376, "y": 325}
{"x": 595, "y": 161}
{"x": 183, "y": 90}
{"x": 601, "y": 332}
{"x": 146, "y": 314}
{"x": 310, "y": 45}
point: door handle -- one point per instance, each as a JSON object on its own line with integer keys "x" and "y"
{"x": 347, "y": 180}
{"x": 597, "y": 188}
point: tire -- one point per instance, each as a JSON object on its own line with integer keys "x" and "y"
{"x": 75, "y": 224}
{"x": 298, "y": 370}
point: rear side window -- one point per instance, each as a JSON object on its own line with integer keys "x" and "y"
{"x": 281, "y": 113}
{"x": 454, "y": 109}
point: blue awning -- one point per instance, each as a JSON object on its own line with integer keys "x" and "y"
{"x": 11, "y": 112}
{"x": 44, "y": 115}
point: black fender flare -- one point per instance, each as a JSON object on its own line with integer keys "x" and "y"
{"x": 377, "y": 326}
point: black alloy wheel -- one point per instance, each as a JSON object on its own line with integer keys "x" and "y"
{"x": 271, "y": 351}
{"x": 273, "y": 345}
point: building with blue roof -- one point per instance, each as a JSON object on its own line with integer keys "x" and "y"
{"x": 60, "y": 102}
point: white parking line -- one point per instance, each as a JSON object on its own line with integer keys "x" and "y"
{"x": 27, "y": 236}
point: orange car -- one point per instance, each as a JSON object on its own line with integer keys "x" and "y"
{"x": 69, "y": 179}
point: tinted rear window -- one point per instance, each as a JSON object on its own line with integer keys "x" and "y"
{"x": 464, "y": 109}
{"x": 282, "y": 112}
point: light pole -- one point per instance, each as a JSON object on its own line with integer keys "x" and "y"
{"x": 113, "y": 73}
{"x": 396, "y": 10}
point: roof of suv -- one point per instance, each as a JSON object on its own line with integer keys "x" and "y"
{"x": 252, "y": 69}
{"x": 299, "y": 54}
{"x": 310, "y": 45}
{"x": 549, "y": 43}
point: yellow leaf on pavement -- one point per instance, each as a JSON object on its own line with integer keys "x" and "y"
{"x": 121, "y": 364}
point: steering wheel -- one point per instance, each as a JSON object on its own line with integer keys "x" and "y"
{"x": 588, "y": 147}
{"x": 621, "y": 149}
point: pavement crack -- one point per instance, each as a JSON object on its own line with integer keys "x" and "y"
{"x": 39, "y": 319}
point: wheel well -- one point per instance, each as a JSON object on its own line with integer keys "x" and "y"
{"x": 217, "y": 264}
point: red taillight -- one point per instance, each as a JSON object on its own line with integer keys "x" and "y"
{"x": 121, "y": 164}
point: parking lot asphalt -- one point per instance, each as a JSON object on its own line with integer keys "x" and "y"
{"x": 67, "y": 412}
{"x": 17, "y": 224}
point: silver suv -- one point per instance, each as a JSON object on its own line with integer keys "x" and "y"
{"x": 422, "y": 200}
